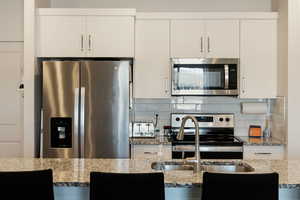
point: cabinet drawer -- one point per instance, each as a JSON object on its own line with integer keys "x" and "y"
{"x": 161, "y": 152}
{"x": 264, "y": 152}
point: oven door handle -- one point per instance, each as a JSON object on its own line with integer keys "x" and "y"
{"x": 226, "y": 78}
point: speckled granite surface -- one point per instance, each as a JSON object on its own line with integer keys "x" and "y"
{"x": 75, "y": 172}
{"x": 149, "y": 141}
{"x": 261, "y": 141}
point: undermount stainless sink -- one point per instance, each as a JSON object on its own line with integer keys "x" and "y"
{"x": 208, "y": 166}
{"x": 170, "y": 166}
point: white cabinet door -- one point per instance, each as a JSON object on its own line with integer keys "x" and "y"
{"x": 11, "y": 56}
{"x": 152, "y": 63}
{"x": 61, "y": 36}
{"x": 11, "y": 20}
{"x": 151, "y": 152}
{"x": 264, "y": 152}
{"x": 187, "y": 39}
{"x": 258, "y": 59}
{"x": 222, "y": 38}
{"x": 110, "y": 36}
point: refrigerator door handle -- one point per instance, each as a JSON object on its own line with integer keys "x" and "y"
{"x": 76, "y": 122}
{"x": 82, "y": 121}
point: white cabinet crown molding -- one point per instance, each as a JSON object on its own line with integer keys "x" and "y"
{"x": 85, "y": 12}
{"x": 206, "y": 15}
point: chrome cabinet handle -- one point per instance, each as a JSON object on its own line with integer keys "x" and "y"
{"x": 208, "y": 45}
{"x": 82, "y": 43}
{"x": 150, "y": 153}
{"x": 243, "y": 85}
{"x": 90, "y": 42}
{"x": 166, "y": 86}
{"x": 201, "y": 44}
{"x": 263, "y": 153}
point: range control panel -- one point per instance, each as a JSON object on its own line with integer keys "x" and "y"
{"x": 204, "y": 120}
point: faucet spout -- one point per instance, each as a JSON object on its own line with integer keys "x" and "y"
{"x": 180, "y": 136}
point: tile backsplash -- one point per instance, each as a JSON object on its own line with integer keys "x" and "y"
{"x": 145, "y": 110}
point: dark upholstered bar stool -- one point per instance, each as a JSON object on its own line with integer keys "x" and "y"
{"x": 114, "y": 186}
{"x": 29, "y": 185}
{"x": 218, "y": 186}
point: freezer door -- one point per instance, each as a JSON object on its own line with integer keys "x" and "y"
{"x": 105, "y": 109}
{"x": 60, "y": 109}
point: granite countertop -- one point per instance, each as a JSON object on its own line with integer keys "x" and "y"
{"x": 150, "y": 141}
{"x": 261, "y": 141}
{"x": 75, "y": 172}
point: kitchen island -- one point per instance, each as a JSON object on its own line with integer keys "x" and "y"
{"x": 72, "y": 175}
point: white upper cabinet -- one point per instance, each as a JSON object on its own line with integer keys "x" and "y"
{"x": 222, "y": 38}
{"x": 258, "y": 59}
{"x": 152, "y": 59}
{"x": 86, "y": 32}
{"x": 110, "y": 36}
{"x": 205, "y": 38}
{"x": 187, "y": 38}
{"x": 61, "y": 36}
{"x": 11, "y": 20}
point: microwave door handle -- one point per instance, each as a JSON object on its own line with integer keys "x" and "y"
{"x": 226, "y": 73}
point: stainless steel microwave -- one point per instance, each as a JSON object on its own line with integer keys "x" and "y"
{"x": 207, "y": 76}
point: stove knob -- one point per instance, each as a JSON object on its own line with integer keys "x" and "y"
{"x": 177, "y": 119}
{"x": 227, "y": 119}
{"x": 221, "y": 119}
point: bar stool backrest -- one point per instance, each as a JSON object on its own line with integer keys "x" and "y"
{"x": 27, "y": 185}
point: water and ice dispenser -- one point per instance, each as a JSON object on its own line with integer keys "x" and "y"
{"x": 61, "y": 132}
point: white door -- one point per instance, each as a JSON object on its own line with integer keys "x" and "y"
{"x": 222, "y": 38}
{"x": 110, "y": 36}
{"x": 187, "y": 39}
{"x": 61, "y": 36}
{"x": 258, "y": 59}
{"x": 152, "y": 60}
{"x": 11, "y": 56}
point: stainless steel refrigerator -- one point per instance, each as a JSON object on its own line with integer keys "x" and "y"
{"x": 85, "y": 106}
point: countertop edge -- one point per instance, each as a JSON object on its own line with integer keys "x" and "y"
{"x": 167, "y": 185}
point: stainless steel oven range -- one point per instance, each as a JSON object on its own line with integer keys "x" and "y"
{"x": 217, "y": 140}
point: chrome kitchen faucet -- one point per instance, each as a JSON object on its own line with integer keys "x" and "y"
{"x": 180, "y": 136}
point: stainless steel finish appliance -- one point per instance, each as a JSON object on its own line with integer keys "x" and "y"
{"x": 86, "y": 108}
{"x": 206, "y": 76}
{"x": 217, "y": 140}
{"x": 143, "y": 129}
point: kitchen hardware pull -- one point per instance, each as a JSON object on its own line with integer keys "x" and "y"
{"x": 243, "y": 85}
{"x": 76, "y": 121}
{"x": 208, "y": 45}
{"x": 150, "y": 153}
{"x": 201, "y": 44}
{"x": 82, "y": 121}
{"x": 166, "y": 85}
{"x": 130, "y": 95}
{"x": 226, "y": 74}
{"x": 130, "y": 88}
{"x": 90, "y": 42}
{"x": 263, "y": 153}
{"x": 82, "y": 43}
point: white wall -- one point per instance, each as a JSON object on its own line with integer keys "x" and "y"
{"x": 293, "y": 78}
{"x": 169, "y": 5}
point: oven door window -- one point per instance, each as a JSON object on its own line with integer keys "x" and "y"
{"x": 199, "y": 77}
